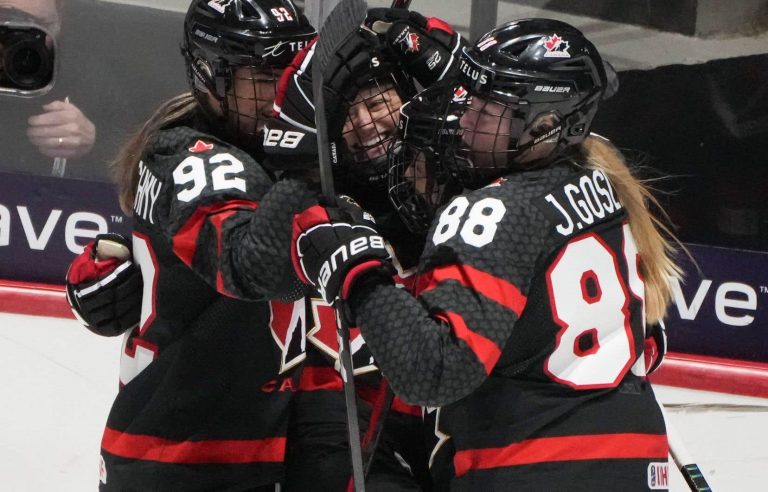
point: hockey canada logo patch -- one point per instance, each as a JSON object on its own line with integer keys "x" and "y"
{"x": 658, "y": 476}
{"x": 408, "y": 41}
{"x": 557, "y": 47}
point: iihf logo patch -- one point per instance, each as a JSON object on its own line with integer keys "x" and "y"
{"x": 658, "y": 476}
{"x": 200, "y": 146}
{"x": 557, "y": 47}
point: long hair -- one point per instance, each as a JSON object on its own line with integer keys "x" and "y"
{"x": 656, "y": 243}
{"x": 126, "y": 163}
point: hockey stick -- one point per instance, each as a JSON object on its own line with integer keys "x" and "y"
{"x": 682, "y": 458}
{"x": 346, "y": 17}
{"x": 373, "y": 436}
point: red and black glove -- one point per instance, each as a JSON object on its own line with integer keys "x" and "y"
{"x": 333, "y": 246}
{"x": 655, "y": 347}
{"x": 428, "y": 47}
{"x": 104, "y": 287}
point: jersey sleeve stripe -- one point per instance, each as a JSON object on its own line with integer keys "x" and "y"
{"x": 400, "y": 406}
{"x": 490, "y": 286}
{"x": 186, "y": 239}
{"x": 565, "y": 448}
{"x": 230, "y": 451}
{"x": 486, "y": 350}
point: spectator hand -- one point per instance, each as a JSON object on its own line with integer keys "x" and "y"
{"x": 62, "y": 130}
{"x": 104, "y": 287}
{"x": 333, "y": 246}
{"x": 428, "y": 47}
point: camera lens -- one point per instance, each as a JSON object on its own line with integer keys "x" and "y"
{"x": 28, "y": 64}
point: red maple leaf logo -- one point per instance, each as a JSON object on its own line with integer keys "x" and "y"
{"x": 413, "y": 42}
{"x": 553, "y": 42}
{"x": 200, "y": 146}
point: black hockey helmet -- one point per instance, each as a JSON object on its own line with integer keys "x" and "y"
{"x": 371, "y": 86}
{"x": 364, "y": 87}
{"x": 221, "y": 37}
{"x": 418, "y": 181}
{"x": 534, "y": 87}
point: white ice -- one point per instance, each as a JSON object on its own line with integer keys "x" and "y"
{"x": 58, "y": 381}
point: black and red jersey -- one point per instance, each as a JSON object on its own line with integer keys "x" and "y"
{"x": 527, "y": 331}
{"x": 205, "y": 388}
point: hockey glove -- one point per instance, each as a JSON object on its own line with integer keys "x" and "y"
{"x": 429, "y": 48}
{"x": 333, "y": 246}
{"x": 655, "y": 347}
{"x": 104, "y": 287}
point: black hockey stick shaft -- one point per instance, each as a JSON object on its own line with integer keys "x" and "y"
{"x": 346, "y": 17}
{"x": 682, "y": 458}
{"x": 401, "y": 4}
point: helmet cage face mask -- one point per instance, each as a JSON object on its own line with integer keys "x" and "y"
{"x": 369, "y": 130}
{"x": 419, "y": 182}
{"x": 372, "y": 101}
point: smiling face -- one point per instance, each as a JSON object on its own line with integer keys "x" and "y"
{"x": 371, "y": 122}
{"x": 250, "y": 99}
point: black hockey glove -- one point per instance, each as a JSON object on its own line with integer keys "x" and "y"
{"x": 655, "y": 346}
{"x": 104, "y": 287}
{"x": 428, "y": 47}
{"x": 333, "y": 246}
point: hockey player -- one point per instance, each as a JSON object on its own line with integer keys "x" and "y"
{"x": 527, "y": 323}
{"x": 201, "y": 405}
{"x": 100, "y": 308}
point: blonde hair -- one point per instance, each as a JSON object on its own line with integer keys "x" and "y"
{"x": 126, "y": 163}
{"x": 656, "y": 243}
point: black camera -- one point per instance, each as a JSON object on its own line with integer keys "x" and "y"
{"x": 26, "y": 54}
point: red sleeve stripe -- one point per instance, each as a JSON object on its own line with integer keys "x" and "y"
{"x": 185, "y": 241}
{"x": 565, "y": 448}
{"x": 400, "y": 406}
{"x": 320, "y": 379}
{"x": 217, "y": 221}
{"x": 490, "y": 286}
{"x": 226, "y": 451}
{"x": 486, "y": 350}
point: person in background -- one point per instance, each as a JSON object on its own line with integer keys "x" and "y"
{"x": 57, "y": 128}
{"x": 538, "y": 283}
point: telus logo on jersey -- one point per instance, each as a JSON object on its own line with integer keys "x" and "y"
{"x": 146, "y": 193}
{"x": 579, "y": 204}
